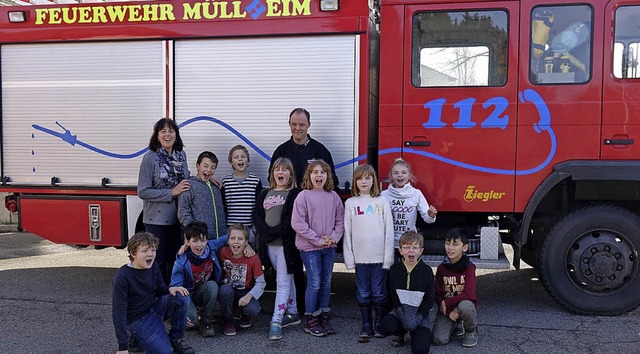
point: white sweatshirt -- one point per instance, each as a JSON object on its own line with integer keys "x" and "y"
{"x": 368, "y": 231}
{"x": 406, "y": 202}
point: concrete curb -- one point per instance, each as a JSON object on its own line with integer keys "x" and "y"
{"x": 4, "y": 228}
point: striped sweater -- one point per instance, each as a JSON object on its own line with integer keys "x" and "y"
{"x": 239, "y": 198}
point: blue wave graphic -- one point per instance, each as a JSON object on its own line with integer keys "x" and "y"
{"x": 544, "y": 124}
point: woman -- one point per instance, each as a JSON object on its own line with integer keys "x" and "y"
{"x": 163, "y": 176}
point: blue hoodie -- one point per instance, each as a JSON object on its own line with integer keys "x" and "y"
{"x": 182, "y": 274}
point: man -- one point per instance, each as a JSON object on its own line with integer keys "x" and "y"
{"x": 301, "y": 149}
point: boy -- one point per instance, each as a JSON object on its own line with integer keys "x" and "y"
{"x": 141, "y": 302}
{"x": 198, "y": 270}
{"x": 456, "y": 292}
{"x": 240, "y": 189}
{"x": 203, "y": 200}
{"x": 243, "y": 283}
{"x": 412, "y": 292}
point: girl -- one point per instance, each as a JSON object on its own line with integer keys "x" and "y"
{"x": 162, "y": 178}
{"x": 406, "y": 202}
{"x": 318, "y": 219}
{"x": 276, "y": 238}
{"x": 368, "y": 246}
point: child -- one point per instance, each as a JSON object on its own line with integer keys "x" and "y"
{"x": 198, "y": 270}
{"x": 318, "y": 219}
{"x": 456, "y": 299}
{"x": 368, "y": 246}
{"x": 240, "y": 189}
{"x": 412, "y": 296}
{"x": 406, "y": 201}
{"x": 141, "y": 302}
{"x": 243, "y": 282}
{"x": 203, "y": 201}
{"x": 277, "y": 238}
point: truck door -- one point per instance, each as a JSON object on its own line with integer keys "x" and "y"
{"x": 561, "y": 90}
{"x": 621, "y": 96}
{"x": 459, "y": 103}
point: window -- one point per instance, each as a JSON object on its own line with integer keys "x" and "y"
{"x": 561, "y": 39}
{"x": 465, "y": 48}
{"x": 627, "y": 43}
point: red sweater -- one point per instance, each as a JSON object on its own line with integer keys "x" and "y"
{"x": 453, "y": 286}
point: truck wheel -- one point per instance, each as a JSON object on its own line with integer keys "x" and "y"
{"x": 589, "y": 261}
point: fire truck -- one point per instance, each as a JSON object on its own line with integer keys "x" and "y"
{"x": 519, "y": 117}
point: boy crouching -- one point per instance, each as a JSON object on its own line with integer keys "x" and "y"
{"x": 141, "y": 302}
{"x": 456, "y": 293}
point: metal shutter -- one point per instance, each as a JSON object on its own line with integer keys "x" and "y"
{"x": 251, "y": 84}
{"x": 107, "y": 94}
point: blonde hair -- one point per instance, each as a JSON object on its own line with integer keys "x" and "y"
{"x": 361, "y": 172}
{"x": 411, "y": 237}
{"x": 306, "y": 180}
{"x": 405, "y": 164}
{"x": 141, "y": 239}
{"x": 285, "y": 163}
{"x": 239, "y": 227}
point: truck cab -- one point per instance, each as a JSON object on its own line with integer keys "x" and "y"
{"x": 523, "y": 116}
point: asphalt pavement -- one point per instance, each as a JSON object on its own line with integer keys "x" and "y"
{"x": 57, "y": 299}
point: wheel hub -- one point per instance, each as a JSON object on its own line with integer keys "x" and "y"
{"x": 601, "y": 261}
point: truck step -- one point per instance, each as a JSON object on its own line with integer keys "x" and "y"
{"x": 501, "y": 263}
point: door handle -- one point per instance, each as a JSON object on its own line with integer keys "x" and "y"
{"x": 618, "y": 141}
{"x": 417, "y": 143}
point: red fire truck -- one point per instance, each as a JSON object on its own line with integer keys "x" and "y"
{"x": 517, "y": 117}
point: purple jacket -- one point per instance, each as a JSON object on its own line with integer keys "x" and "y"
{"x": 317, "y": 213}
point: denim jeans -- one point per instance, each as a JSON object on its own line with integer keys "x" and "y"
{"x": 319, "y": 266}
{"x": 229, "y": 297}
{"x": 285, "y": 286}
{"x": 205, "y": 295}
{"x": 371, "y": 281}
{"x": 149, "y": 330}
{"x": 170, "y": 237}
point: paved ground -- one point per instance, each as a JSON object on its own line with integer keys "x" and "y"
{"x": 57, "y": 299}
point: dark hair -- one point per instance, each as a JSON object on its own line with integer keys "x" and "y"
{"x": 457, "y": 233}
{"x": 300, "y": 110}
{"x": 306, "y": 179}
{"x": 239, "y": 227}
{"x": 141, "y": 239}
{"x": 208, "y": 154}
{"x": 196, "y": 229}
{"x": 154, "y": 144}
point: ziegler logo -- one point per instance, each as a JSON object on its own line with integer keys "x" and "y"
{"x": 471, "y": 194}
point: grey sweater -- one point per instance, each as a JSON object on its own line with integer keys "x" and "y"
{"x": 197, "y": 204}
{"x": 158, "y": 204}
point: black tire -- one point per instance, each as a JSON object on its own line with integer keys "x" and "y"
{"x": 530, "y": 255}
{"x": 589, "y": 261}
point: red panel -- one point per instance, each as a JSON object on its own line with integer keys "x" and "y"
{"x": 169, "y": 19}
{"x": 66, "y": 221}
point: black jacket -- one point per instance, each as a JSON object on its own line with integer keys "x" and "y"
{"x": 266, "y": 233}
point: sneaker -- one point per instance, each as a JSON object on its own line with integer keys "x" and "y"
{"x": 245, "y": 322}
{"x": 134, "y": 347}
{"x": 470, "y": 339}
{"x": 229, "y": 328}
{"x": 312, "y": 326}
{"x": 206, "y": 330}
{"x": 458, "y": 331}
{"x": 397, "y": 341}
{"x": 325, "y": 322}
{"x": 179, "y": 346}
{"x": 275, "y": 331}
{"x": 290, "y": 320}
